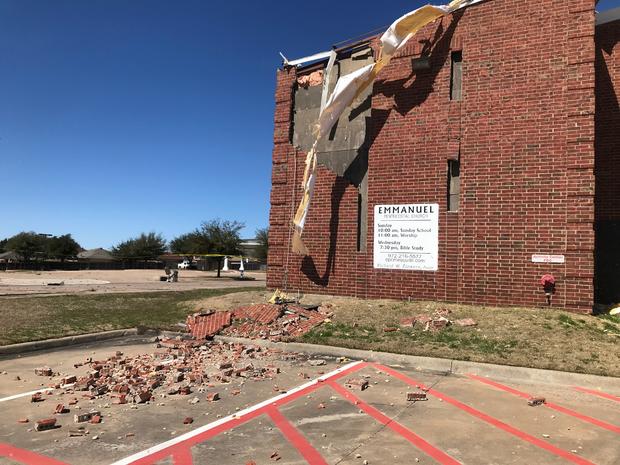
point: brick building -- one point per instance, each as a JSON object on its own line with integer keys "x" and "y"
{"x": 505, "y": 117}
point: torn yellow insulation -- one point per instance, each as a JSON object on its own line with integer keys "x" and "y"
{"x": 350, "y": 86}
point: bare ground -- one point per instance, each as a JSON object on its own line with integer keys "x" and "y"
{"x": 86, "y": 282}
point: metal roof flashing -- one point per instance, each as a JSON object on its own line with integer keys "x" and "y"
{"x": 607, "y": 16}
{"x": 324, "y": 56}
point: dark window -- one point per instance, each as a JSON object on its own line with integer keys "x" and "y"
{"x": 456, "y": 76}
{"x": 359, "y": 222}
{"x": 454, "y": 185}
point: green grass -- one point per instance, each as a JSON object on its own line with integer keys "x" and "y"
{"x": 452, "y": 338}
{"x": 531, "y": 337}
{"x": 567, "y": 320}
{"x": 37, "y": 318}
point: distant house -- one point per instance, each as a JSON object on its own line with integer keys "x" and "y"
{"x": 10, "y": 257}
{"x": 96, "y": 255}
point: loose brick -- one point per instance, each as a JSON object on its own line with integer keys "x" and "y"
{"x": 185, "y": 390}
{"x": 356, "y": 383}
{"x": 61, "y": 409}
{"x": 42, "y": 425}
{"x": 68, "y": 380}
{"x": 534, "y": 401}
{"x": 416, "y": 396}
{"x": 87, "y": 416}
{"x": 143, "y": 397}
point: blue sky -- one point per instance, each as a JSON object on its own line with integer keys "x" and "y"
{"x": 119, "y": 117}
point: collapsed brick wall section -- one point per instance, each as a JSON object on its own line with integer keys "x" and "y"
{"x": 525, "y": 133}
{"x": 206, "y": 325}
{"x": 607, "y": 165}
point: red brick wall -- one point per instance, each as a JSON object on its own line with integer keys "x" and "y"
{"x": 525, "y": 128}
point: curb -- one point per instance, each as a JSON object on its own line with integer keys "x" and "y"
{"x": 443, "y": 365}
{"x": 420, "y": 363}
{"x": 23, "y": 347}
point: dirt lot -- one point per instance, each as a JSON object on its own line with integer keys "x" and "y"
{"x": 530, "y": 337}
{"x": 15, "y": 283}
{"x": 321, "y": 417}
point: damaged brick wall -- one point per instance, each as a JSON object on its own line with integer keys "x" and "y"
{"x": 524, "y": 129}
{"x": 607, "y": 127}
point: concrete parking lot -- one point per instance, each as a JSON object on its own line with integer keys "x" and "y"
{"x": 312, "y": 414}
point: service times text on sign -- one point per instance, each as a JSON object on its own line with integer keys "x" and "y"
{"x": 406, "y": 236}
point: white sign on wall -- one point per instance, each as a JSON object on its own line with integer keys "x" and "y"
{"x": 546, "y": 258}
{"x": 406, "y": 236}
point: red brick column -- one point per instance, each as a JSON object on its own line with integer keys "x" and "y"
{"x": 281, "y": 179}
{"x": 580, "y": 50}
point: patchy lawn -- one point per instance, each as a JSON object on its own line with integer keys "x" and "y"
{"x": 35, "y": 318}
{"x": 530, "y": 337}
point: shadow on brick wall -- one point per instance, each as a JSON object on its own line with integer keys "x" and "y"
{"x": 607, "y": 174}
{"x": 406, "y": 97}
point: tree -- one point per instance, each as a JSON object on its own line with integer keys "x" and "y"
{"x": 190, "y": 243}
{"x": 223, "y": 238}
{"x": 26, "y": 244}
{"x": 62, "y": 247}
{"x": 212, "y": 237}
{"x": 262, "y": 237}
{"x": 3, "y": 245}
{"x": 144, "y": 247}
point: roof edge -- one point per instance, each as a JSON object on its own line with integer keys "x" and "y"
{"x": 608, "y": 16}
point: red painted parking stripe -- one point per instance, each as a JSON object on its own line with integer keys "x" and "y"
{"x": 551, "y": 405}
{"x": 183, "y": 456}
{"x": 487, "y": 418}
{"x": 177, "y": 446}
{"x": 25, "y": 456}
{"x": 598, "y": 393}
{"x": 296, "y": 439}
{"x": 409, "y": 435}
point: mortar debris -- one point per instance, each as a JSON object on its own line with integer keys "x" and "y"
{"x": 177, "y": 367}
{"x": 188, "y": 364}
{"x": 436, "y": 321}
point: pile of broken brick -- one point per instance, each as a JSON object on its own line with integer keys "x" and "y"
{"x": 186, "y": 365}
{"x": 274, "y": 322}
{"x": 436, "y": 321}
{"x": 182, "y": 368}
